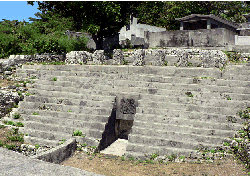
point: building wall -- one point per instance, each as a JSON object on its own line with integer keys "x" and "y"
{"x": 188, "y": 38}
{"x": 242, "y": 40}
{"x": 137, "y": 29}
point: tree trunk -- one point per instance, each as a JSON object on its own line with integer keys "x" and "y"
{"x": 98, "y": 39}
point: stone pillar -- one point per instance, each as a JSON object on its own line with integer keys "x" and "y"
{"x": 182, "y": 26}
{"x": 208, "y": 24}
{"x": 138, "y": 56}
{"x": 118, "y": 57}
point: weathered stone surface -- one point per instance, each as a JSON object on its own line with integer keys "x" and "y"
{"x": 206, "y": 58}
{"x": 7, "y": 100}
{"x": 183, "y": 60}
{"x": 99, "y": 57}
{"x": 128, "y": 106}
{"x": 77, "y": 57}
{"x": 7, "y": 72}
{"x": 118, "y": 57}
{"x": 49, "y": 58}
{"x": 160, "y": 57}
{"x": 138, "y": 56}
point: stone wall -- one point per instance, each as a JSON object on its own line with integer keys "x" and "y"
{"x": 189, "y": 38}
{"x": 17, "y": 60}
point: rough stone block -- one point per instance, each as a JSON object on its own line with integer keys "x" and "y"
{"x": 99, "y": 57}
{"x": 118, "y": 57}
{"x": 138, "y": 56}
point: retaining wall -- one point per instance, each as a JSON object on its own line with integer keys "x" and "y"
{"x": 188, "y": 38}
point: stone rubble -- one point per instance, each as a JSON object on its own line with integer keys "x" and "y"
{"x": 18, "y": 60}
{"x": 8, "y": 98}
{"x": 78, "y": 57}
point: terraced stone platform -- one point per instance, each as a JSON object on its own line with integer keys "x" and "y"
{"x": 177, "y": 108}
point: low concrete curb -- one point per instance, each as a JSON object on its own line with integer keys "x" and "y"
{"x": 16, "y": 164}
{"x": 59, "y": 153}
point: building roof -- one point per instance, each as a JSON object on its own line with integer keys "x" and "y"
{"x": 214, "y": 17}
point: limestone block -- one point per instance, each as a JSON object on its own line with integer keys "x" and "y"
{"x": 77, "y": 57}
{"x": 183, "y": 60}
{"x": 99, "y": 57}
{"x": 160, "y": 57}
{"x": 118, "y": 57}
{"x": 138, "y": 56}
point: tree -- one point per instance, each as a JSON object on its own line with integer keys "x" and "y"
{"x": 163, "y": 14}
{"x": 101, "y": 19}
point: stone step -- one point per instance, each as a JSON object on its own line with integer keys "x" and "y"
{"x": 166, "y": 71}
{"x": 47, "y": 135}
{"x": 143, "y": 96}
{"x": 84, "y": 76}
{"x": 198, "y": 95}
{"x": 117, "y": 85}
{"x": 67, "y": 95}
{"x": 193, "y": 101}
{"x": 77, "y": 123}
{"x": 63, "y": 129}
{"x": 139, "y": 150}
{"x": 57, "y": 138}
{"x": 187, "y": 122}
{"x": 162, "y": 142}
{"x": 173, "y": 113}
{"x": 69, "y": 81}
{"x": 40, "y": 141}
{"x": 175, "y": 135}
{"x": 70, "y": 101}
{"x": 230, "y": 73}
{"x": 67, "y": 115}
{"x": 187, "y": 128}
{"x": 81, "y": 76}
{"x": 188, "y": 107}
{"x": 64, "y": 108}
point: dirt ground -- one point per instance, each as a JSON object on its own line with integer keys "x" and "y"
{"x": 5, "y": 83}
{"x": 116, "y": 166}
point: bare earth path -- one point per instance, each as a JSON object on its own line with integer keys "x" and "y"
{"x": 111, "y": 165}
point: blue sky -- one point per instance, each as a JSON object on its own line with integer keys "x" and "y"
{"x": 17, "y": 10}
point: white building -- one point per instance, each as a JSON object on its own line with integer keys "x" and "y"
{"x": 137, "y": 30}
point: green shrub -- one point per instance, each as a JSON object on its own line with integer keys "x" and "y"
{"x": 16, "y": 116}
{"x": 154, "y": 155}
{"x": 10, "y": 123}
{"x": 19, "y": 124}
{"x": 84, "y": 145}
{"x": 77, "y": 133}
{"x": 37, "y": 146}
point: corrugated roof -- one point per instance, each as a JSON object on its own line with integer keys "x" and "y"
{"x": 212, "y": 16}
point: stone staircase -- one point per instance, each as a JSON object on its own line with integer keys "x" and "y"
{"x": 179, "y": 108}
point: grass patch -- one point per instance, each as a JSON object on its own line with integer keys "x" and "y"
{"x": 77, "y": 133}
{"x": 16, "y": 116}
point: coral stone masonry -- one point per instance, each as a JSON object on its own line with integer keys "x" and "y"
{"x": 164, "y": 102}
